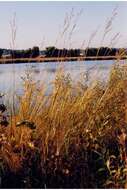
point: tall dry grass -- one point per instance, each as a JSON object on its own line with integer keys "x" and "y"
{"x": 73, "y": 138}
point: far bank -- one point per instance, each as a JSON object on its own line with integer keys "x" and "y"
{"x": 59, "y": 59}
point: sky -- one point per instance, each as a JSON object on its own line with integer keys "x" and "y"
{"x": 43, "y": 24}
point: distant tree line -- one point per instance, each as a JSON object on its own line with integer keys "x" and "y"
{"x": 31, "y": 52}
{"x": 102, "y": 51}
{"x": 55, "y": 52}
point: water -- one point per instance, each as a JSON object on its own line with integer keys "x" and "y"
{"x": 46, "y": 72}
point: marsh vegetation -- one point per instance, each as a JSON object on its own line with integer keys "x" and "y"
{"x": 73, "y": 138}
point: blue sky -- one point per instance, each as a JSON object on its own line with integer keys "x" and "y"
{"x": 41, "y": 23}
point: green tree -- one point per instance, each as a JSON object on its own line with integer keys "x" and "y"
{"x": 50, "y": 51}
{"x": 35, "y": 51}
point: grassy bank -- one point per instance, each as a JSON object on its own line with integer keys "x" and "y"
{"x": 58, "y": 59}
{"x": 74, "y": 138}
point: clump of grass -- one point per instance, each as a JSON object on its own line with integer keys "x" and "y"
{"x": 73, "y": 138}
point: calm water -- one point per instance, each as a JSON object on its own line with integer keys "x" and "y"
{"x": 46, "y": 72}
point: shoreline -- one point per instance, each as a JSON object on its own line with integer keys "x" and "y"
{"x": 58, "y": 59}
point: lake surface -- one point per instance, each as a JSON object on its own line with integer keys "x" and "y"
{"x": 46, "y": 72}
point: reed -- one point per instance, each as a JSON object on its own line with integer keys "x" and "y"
{"x": 76, "y": 133}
